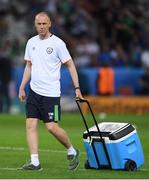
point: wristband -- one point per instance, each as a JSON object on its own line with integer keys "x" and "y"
{"x": 77, "y": 88}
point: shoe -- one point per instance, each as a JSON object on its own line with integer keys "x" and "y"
{"x": 30, "y": 166}
{"x": 73, "y": 160}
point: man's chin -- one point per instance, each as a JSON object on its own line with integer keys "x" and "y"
{"x": 42, "y": 35}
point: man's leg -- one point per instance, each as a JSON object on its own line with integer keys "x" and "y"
{"x": 59, "y": 133}
{"x": 32, "y": 140}
{"x": 32, "y": 135}
{"x": 62, "y": 137}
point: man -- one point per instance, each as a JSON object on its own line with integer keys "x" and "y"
{"x": 44, "y": 55}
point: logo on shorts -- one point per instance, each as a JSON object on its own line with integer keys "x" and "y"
{"x": 49, "y": 50}
{"x": 51, "y": 114}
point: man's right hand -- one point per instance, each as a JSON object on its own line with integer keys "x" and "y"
{"x": 22, "y": 95}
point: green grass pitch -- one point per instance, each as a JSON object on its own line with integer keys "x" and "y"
{"x": 14, "y": 152}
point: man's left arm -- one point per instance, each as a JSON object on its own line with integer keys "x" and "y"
{"x": 74, "y": 76}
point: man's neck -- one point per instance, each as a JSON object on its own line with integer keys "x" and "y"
{"x": 42, "y": 37}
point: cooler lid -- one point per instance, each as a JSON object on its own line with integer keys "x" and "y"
{"x": 113, "y": 130}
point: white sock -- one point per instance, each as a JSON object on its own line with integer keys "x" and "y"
{"x": 35, "y": 159}
{"x": 71, "y": 151}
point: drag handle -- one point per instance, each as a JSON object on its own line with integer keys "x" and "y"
{"x": 78, "y": 101}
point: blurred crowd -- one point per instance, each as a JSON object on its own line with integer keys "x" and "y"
{"x": 98, "y": 33}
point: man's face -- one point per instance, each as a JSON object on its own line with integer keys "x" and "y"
{"x": 42, "y": 24}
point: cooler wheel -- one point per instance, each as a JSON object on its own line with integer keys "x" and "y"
{"x": 86, "y": 165}
{"x": 130, "y": 165}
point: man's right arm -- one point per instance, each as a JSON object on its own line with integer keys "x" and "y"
{"x": 25, "y": 79}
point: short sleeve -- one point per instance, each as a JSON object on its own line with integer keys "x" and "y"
{"x": 63, "y": 53}
{"x": 27, "y": 54}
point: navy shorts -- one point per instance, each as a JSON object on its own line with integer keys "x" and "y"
{"x": 44, "y": 108}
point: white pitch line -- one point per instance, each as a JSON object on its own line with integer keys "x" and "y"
{"x": 16, "y": 169}
{"x": 12, "y": 148}
{"x": 8, "y": 169}
{"x": 47, "y": 150}
{"x": 144, "y": 169}
{"x": 24, "y": 149}
{"x": 42, "y": 150}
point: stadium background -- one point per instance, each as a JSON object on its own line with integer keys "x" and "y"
{"x": 97, "y": 33}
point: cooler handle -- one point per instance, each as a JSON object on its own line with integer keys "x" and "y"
{"x": 78, "y": 101}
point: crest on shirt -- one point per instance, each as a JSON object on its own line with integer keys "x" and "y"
{"x": 33, "y": 48}
{"x": 49, "y": 50}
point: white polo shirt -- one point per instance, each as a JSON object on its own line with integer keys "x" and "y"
{"x": 46, "y": 57}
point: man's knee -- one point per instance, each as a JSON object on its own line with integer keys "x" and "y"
{"x": 52, "y": 127}
{"x": 31, "y": 124}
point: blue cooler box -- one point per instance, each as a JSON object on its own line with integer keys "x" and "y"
{"x": 119, "y": 147}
